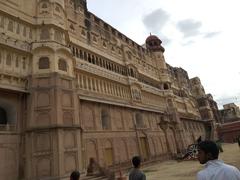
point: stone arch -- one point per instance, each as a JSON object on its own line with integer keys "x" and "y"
{"x": 172, "y": 140}
{"x": 91, "y": 150}
{"x": 152, "y": 146}
{"x": 165, "y": 86}
{"x": 64, "y": 51}
{"x": 164, "y": 143}
{"x": 133, "y": 147}
{"x": 43, "y": 63}
{"x": 42, "y": 48}
{"x": 122, "y": 150}
{"x": 139, "y": 119}
{"x": 105, "y": 119}
{"x": 108, "y": 153}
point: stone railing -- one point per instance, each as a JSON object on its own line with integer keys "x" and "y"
{"x": 101, "y": 72}
{"x": 17, "y": 44}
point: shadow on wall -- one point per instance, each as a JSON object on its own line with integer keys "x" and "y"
{"x": 8, "y": 112}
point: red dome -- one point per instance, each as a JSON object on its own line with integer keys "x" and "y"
{"x": 152, "y": 38}
{"x": 154, "y": 43}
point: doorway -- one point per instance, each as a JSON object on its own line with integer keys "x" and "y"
{"x": 144, "y": 148}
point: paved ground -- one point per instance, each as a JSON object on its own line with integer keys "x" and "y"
{"x": 186, "y": 170}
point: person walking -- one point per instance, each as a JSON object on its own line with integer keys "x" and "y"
{"x": 136, "y": 173}
{"x": 238, "y": 140}
{"x": 214, "y": 168}
{"x": 75, "y": 175}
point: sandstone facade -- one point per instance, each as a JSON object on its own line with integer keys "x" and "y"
{"x": 72, "y": 88}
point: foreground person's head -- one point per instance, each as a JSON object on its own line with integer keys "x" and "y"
{"x": 75, "y": 175}
{"x": 207, "y": 150}
{"x": 136, "y": 161}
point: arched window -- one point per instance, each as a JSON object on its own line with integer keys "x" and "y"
{"x": 131, "y": 72}
{"x": 62, "y": 65}
{"x": 10, "y": 26}
{"x": 3, "y": 116}
{"x": 105, "y": 119}
{"x": 9, "y": 60}
{"x": 165, "y": 86}
{"x": 44, "y": 34}
{"x": 44, "y": 6}
{"x": 139, "y": 120}
{"x": 43, "y": 63}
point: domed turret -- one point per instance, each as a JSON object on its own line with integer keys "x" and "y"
{"x": 153, "y": 43}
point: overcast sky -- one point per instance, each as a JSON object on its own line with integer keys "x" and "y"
{"x": 201, "y": 36}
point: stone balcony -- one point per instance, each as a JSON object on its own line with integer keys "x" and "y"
{"x": 13, "y": 82}
{"x": 13, "y": 43}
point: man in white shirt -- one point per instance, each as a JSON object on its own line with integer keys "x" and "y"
{"x": 214, "y": 169}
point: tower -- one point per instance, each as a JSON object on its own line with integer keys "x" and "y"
{"x": 154, "y": 45}
{"x": 52, "y": 142}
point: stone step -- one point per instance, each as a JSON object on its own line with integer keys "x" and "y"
{"x": 93, "y": 178}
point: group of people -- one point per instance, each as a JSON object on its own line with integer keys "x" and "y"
{"x": 214, "y": 169}
{"x": 208, "y": 152}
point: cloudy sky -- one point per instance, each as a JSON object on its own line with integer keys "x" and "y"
{"x": 201, "y": 36}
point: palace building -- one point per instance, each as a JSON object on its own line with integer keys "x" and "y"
{"x": 72, "y": 87}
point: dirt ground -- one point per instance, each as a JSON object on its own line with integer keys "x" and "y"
{"x": 186, "y": 170}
